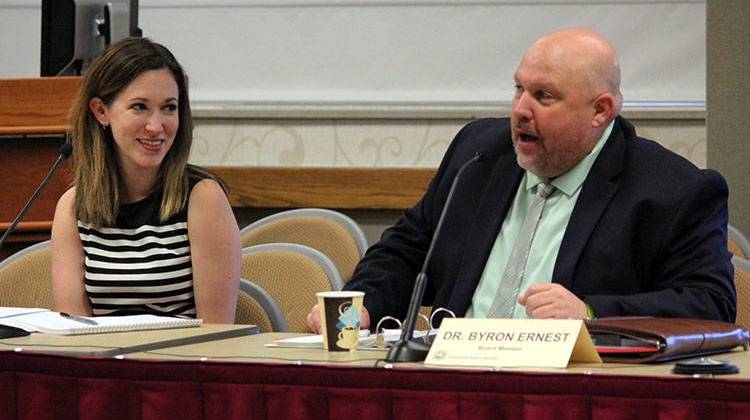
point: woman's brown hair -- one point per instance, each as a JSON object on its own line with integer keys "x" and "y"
{"x": 96, "y": 176}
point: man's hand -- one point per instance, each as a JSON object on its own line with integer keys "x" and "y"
{"x": 313, "y": 319}
{"x": 551, "y": 300}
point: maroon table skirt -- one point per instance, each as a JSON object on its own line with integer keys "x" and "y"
{"x": 57, "y": 387}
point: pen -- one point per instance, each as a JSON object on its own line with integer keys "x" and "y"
{"x": 78, "y": 318}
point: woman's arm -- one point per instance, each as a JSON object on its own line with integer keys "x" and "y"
{"x": 215, "y": 252}
{"x": 67, "y": 267}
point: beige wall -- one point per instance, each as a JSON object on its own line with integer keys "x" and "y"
{"x": 728, "y": 101}
{"x": 388, "y": 142}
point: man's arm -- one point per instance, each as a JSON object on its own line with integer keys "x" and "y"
{"x": 388, "y": 271}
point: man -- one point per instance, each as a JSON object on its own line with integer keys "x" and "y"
{"x": 629, "y": 228}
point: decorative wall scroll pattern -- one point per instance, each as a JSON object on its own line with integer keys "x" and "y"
{"x": 375, "y": 143}
{"x": 322, "y": 143}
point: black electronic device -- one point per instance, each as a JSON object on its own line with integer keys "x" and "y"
{"x": 6, "y": 331}
{"x": 705, "y": 366}
{"x": 74, "y": 32}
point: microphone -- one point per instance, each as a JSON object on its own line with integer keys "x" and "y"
{"x": 406, "y": 350}
{"x": 65, "y": 150}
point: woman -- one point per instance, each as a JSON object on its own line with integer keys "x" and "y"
{"x": 141, "y": 231}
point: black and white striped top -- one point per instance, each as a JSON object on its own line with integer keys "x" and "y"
{"x": 140, "y": 266}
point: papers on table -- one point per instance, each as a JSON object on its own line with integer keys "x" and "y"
{"x": 608, "y": 344}
{"x": 366, "y": 339}
{"x": 50, "y": 322}
{"x": 314, "y": 341}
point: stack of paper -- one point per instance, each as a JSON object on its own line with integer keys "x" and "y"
{"x": 366, "y": 339}
{"x": 50, "y": 322}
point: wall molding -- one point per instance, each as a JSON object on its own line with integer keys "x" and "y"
{"x": 219, "y": 4}
{"x": 428, "y": 110}
{"x": 385, "y": 3}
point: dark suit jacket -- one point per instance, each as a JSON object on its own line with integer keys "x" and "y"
{"x": 647, "y": 235}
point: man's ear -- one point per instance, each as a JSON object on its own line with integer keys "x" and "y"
{"x": 97, "y": 107}
{"x": 604, "y": 107}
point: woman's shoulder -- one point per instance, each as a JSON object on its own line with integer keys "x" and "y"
{"x": 207, "y": 190}
{"x": 208, "y": 204}
{"x": 204, "y": 185}
{"x": 65, "y": 210}
{"x": 67, "y": 199}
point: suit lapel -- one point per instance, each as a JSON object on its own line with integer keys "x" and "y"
{"x": 494, "y": 205}
{"x": 596, "y": 194}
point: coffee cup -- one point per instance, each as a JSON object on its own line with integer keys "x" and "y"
{"x": 340, "y": 314}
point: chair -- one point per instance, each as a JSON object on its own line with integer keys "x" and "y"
{"x": 334, "y": 234}
{"x": 423, "y": 324}
{"x": 742, "y": 285}
{"x": 25, "y": 279}
{"x": 738, "y": 243}
{"x": 256, "y": 306}
{"x": 291, "y": 274}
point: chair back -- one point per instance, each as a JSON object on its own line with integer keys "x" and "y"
{"x": 742, "y": 285}
{"x": 256, "y": 306}
{"x": 25, "y": 279}
{"x": 291, "y": 274}
{"x": 335, "y": 234}
{"x": 738, "y": 243}
{"x": 422, "y": 323}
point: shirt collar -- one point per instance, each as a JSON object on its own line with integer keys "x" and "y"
{"x": 571, "y": 181}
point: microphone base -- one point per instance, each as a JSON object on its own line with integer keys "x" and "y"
{"x": 407, "y": 351}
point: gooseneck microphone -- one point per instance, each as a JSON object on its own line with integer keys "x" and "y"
{"x": 406, "y": 350}
{"x": 65, "y": 150}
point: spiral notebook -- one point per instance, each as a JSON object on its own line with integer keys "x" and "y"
{"x": 50, "y": 322}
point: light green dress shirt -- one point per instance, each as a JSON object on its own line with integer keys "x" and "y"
{"x": 547, "y": 239}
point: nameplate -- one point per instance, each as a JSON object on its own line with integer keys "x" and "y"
{"x": 512, "y": 343}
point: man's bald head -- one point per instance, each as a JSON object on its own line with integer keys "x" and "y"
{"x": 587, "y": 55}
